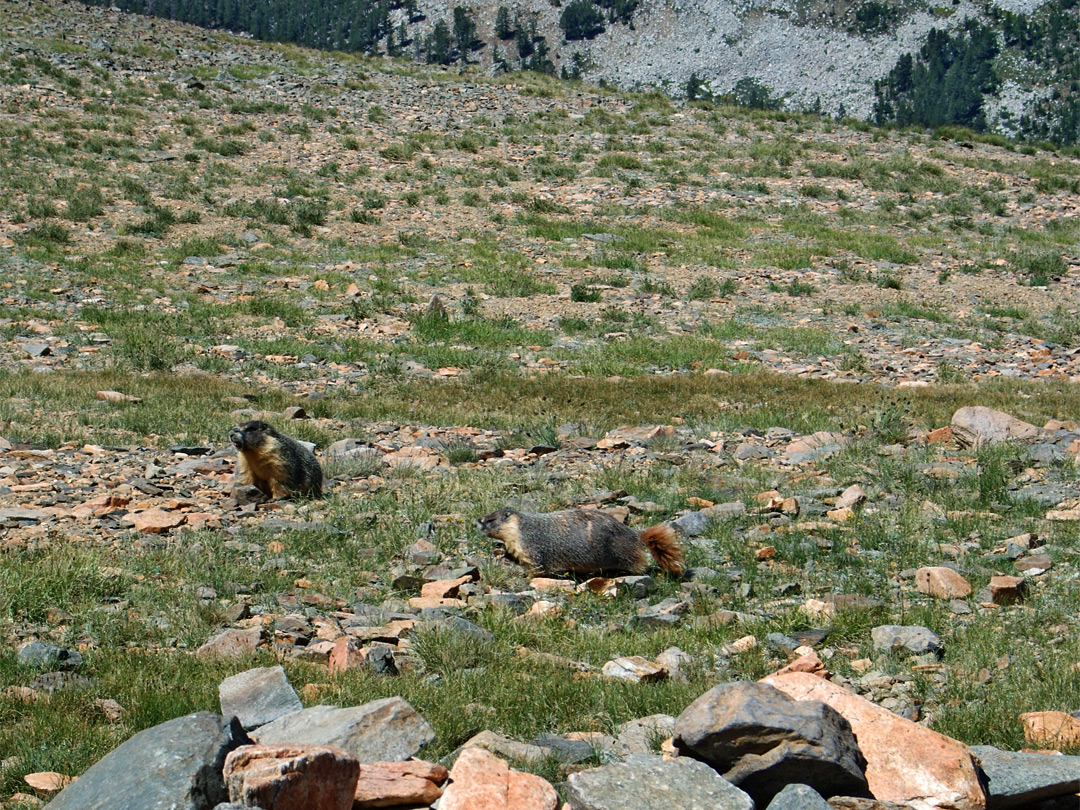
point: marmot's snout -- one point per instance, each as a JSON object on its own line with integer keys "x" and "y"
{"x": 236, "y": 436}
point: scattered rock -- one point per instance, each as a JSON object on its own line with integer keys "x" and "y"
{"x": 941, "y": 582}
{"x": 976, "y": 426}
{"x": 635, "y": 669}
{"x": 915, "y": 639}
{"x": 47, "y": 783}
{"x": 232, "y": 643}
{"x": 1005, "y": 590}
{"x": 39, "y": 655}
{"x": 1055, "y": 729}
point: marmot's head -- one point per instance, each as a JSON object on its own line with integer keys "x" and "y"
{"x": 250, "y": 435}
{"x": 492, "y": 524}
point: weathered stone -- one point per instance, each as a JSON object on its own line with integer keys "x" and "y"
{"x": 915, "y": 639}
{"x": 975, "y": 426}
{"x": 760, "y": 739}
{"x": 725, "y": 511}
{"x": 506, "y": 747}
{"x": 258, "y": 696}
{"x": 851, "y": 497}
{"x": 640, "y": 736}
{"x": 386, "y": 730}
{"x": 798, "y": 797}
{"x": 391, "y": 784}
{"x": 443, "y": 588}
{"x": 480, "y": 780}
{"x": 905, "y": 762}
{"x": 232, "y": 643}
{"x": 692, "y": 524}
{"x": 47, "y": 783}
{"x": 1005, "y": 590}
{"x": 564, "y": 749}
{"x": 941, "y": 582}
{"x": 1057, "y": 729}
{"x": 291, "y": 777}
{"x": 1021, "y": 780}
{"x": 39, "y": 655}
{"x": 156, "y": 521}
{"x": 176, "y": 765}
{"x": 635, "y": 669}
{"x": 648, "y": 782}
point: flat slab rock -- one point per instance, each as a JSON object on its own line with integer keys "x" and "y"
{"x": 386, "y": 730}
{"x": 1019, "y": 780}
{"x": 647, "y": 782}
{"x": 176, "y": 765}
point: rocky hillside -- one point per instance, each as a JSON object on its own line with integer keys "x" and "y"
{"x": 1009, "y": 66}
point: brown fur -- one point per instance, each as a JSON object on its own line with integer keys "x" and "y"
{"x": 582, "y": 541}
{"x": 275, "y": 463}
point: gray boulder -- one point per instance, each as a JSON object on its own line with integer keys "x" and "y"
{"x": 647, "y": 782}
{"x": 39, "y": 655}
{"x": 798, "y": 797}
{"x": 913, "y": 638}
{"x": 1020, "y": 780}
{"x": 760, "y": 739}
{"x": 176, "y": 765}
{"x": 387, "y": 730}
{"x": 258, "y": 696}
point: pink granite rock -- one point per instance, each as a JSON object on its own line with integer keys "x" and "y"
{"x": 905, "y": 762}
{"x": 941, "y": 582}
{"x": 482, "y": 781}
{"x": 292, "y": 777}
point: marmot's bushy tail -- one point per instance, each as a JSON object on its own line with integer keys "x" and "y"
{"x": 664, "y": 546}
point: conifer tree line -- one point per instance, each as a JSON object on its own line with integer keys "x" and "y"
{"x": 951, "y": 78}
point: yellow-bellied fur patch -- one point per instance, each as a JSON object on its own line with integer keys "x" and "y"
{"x": 510, "y": 533}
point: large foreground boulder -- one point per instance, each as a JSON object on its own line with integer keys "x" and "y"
{"x": 176, "y": 765}
{"x": 905, "y": 762}
{"x": 386, "y": 730}
{"x": 760, "y": 739}
{"x": 646, "y": 782}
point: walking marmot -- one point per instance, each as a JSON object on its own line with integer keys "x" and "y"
{"x": 581, "y": 541}
{"x": 275, "y": 463}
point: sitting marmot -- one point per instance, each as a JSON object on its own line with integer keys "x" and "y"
{"x": 275, "y": 463}
{"x": 581, "y": 541}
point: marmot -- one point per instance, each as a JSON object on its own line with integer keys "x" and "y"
{"x": 275, "y": 463}
{"x": 581, "y": 541}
